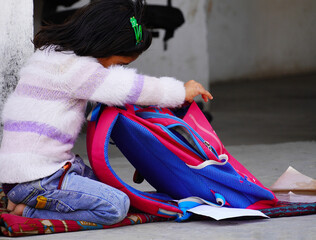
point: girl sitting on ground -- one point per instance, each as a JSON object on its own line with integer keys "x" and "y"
{"x": 75, "y": 62}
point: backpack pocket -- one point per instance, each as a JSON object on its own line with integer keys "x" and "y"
{"x": 180, "y": 131}
{"x": 184, "y": 137}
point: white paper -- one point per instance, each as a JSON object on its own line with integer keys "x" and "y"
{"x": 219, "y": 213}
{"x": 293, "y": 180}
{"x": 292, "y": 197}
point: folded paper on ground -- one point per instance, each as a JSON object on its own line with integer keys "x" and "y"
{"x": 295, "y": 198}
{"x": 294, "y": 181}
{"x": 293, "y": 186}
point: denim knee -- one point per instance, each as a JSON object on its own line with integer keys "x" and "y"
{"x": 119, "y": 210}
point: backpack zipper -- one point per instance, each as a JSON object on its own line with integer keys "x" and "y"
{"x": 146, "y": 115}
{"x": 200, "y": 153}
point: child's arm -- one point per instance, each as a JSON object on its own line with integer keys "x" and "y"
{"x": 118, "y": 85}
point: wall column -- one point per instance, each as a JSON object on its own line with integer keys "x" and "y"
{"x": 16, "y": 33}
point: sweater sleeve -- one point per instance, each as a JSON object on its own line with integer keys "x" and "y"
{"x": 118, "y": 85}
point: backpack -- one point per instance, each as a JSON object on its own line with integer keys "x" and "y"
{"x": 178, "y": 153}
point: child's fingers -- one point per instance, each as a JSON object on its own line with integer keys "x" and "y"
{"x": 209, "y": 95}
{"x": 205, "y": 98}
{"x": 206, "y": 95}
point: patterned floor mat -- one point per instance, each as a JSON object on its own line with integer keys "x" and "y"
{"x": 14, "y": 226}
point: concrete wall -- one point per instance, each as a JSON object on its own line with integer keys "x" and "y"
{"x": 253, "y": 39}
{"x": 186, "y": 57}
{"x": 16, "y": 32}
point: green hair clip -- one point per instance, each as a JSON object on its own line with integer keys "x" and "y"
{"x": 137, "y": 29}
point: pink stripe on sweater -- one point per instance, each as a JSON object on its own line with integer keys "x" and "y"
{"x": 39, "y": 128}
{"x": 86, "y": 90}
{"x": 40, "y": 93}
{"x": 136, "y": 89}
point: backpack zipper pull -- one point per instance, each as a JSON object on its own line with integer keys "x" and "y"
{"x": 209, "y": 146}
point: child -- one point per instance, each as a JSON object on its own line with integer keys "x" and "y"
{"x": 78, "y": 61}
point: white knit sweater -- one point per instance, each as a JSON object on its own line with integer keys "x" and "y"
{"x": 43, "y": 116}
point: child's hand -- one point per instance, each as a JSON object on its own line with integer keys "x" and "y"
{"x": 193, "y": 89}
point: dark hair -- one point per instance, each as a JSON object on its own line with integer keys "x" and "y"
{"x": 100, "y": 29}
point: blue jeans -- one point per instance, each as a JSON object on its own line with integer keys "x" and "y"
{"x": 71, "y": 194}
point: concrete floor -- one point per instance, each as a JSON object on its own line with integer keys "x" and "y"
{"x": 267, "y": 125}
